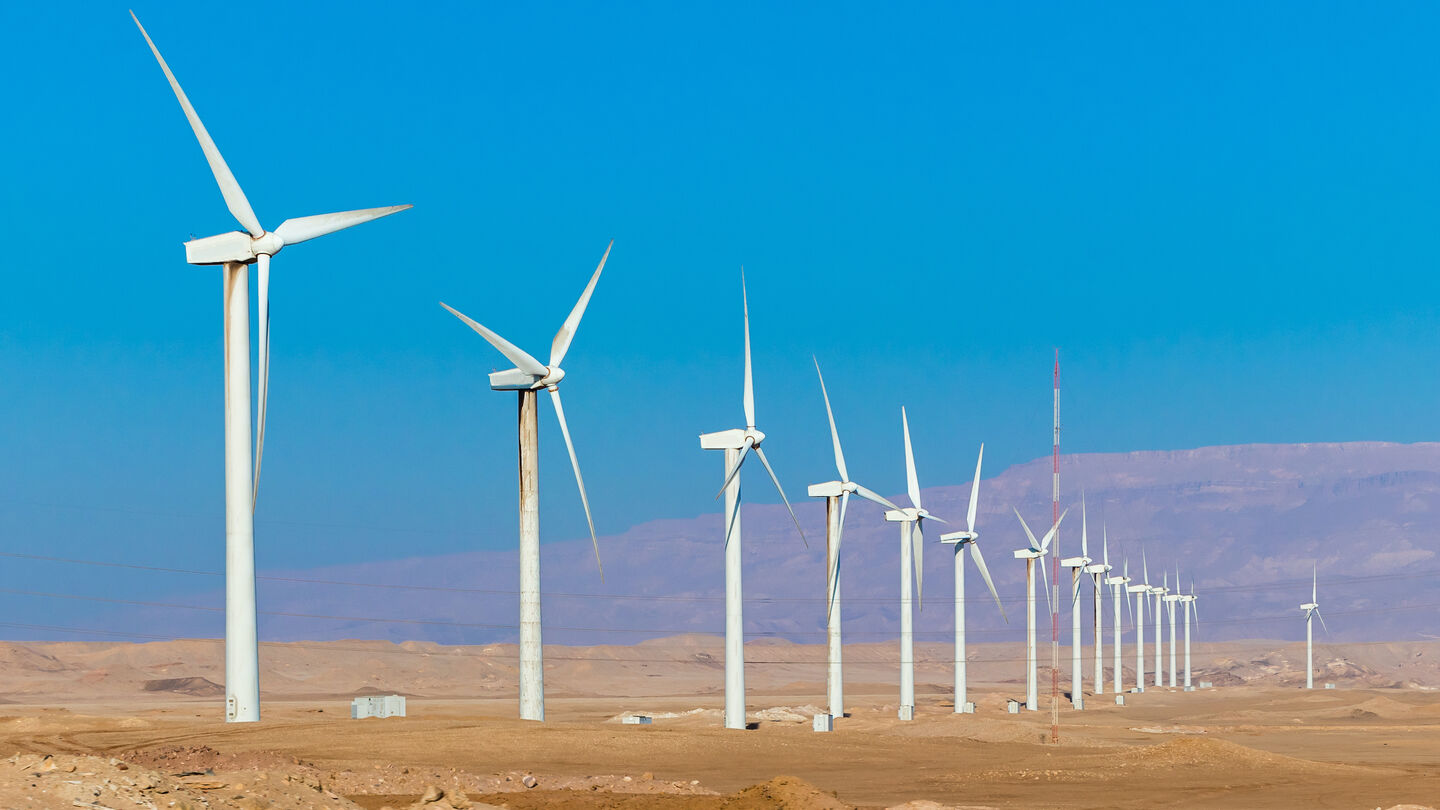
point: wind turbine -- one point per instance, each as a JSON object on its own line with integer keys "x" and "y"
{"x": 1312, "y": 608}
{"x": 236, "y": 251}
{"x": 1159, "y": 591}
{"x": 1076, "y": 565}
{"x": 1035, "y": 551}
{"x": 837, "y": 497}
{"x": 1142, "y": 593}
{"x": 1097, "y": 572}
{"x": 1116, "y": 584}
{"x": 912, "y": 559}
{"x": 527, "y": 378}
{"x": 1170, "y": 601}
{"x": 737, "y": 444}
{"x": 1190, "y": 606}
{"x": 961, "y": 539}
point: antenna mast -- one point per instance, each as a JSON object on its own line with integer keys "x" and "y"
{"x": 1055, "y": 569}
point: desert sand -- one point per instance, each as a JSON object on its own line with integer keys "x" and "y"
{"x": 127, "y": 725}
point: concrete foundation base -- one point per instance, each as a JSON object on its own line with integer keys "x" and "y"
{"x": 907, "y": 712}
{"x": 824, "y": 722}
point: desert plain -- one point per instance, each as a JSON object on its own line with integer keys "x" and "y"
{"x": 121, "y": 725}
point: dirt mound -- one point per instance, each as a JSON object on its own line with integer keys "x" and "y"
{"x": 1208, "y": 752}
{"x": 783, "y": 792}
{"x": 63, "y": 781}
{"x": 195, "y": 687}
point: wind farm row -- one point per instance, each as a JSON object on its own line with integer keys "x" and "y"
{"x": 236, "y": 251}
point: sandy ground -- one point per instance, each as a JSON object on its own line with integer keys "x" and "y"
{"x": 115, "y": 740}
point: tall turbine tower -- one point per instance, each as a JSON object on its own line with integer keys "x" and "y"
{"x": 912, "y": 559}
{"x": 1159, "y": 591}
{"x": 236, "y": 251}
{"x": 1116, "y": 584}
{"x": 1055, "y": 579}
{"x": 1097, "y": 572}
{"x": 837, "y": 497}
{"x": 1076, "y": 565}
{"x": 737, "y": 444}
{"x": 527, "y": 378}
{"x": 1171, "y": 600}
{"x": 1190, "y": 607}
{"x": 1312, "y": 609}
{"x": 1036, "y": 551}
{"x": 1142, "y": 595}
{"x": 961, "y": 539}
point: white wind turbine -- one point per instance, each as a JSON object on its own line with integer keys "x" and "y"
{"x": 1035, "y": 551}
{"x": 1097, "y": 572}
{"x": 912, "y": 562}
{"x": 961, "y": 539}
{"x": 1076, "y": 566}
{"x": 1159, "y": 591}
{"x": 1171, "y": 600}
{"x": 737, "y": 444}
{"x": 1142, "y": 595}
{"x": 1190, "y": 607}
{"x": 837, "y": 498}
{"x": 1312, "y": 609}
{"x": 236, "y": 251}
{"x": 527, "y": 378}
{"x": 1116, "y": 584}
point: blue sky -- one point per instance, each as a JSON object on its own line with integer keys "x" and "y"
{"x": 1223, "y": 215}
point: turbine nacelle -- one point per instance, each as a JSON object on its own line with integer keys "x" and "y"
{"x": 959, "y": 538}
{"x": 1117, "y": 580}
{"x": 1075, "y": 562}
{"x": 1309, "y": 606}
{"x": 1142, "y": 588}
{"x": 1097, "y": 568}
{"x": 514, "y": 379}
{"x": 732, "y": 439}
{"x": 1028, "y": 553}
{"x": 235, "y": 246}
{"x": 909, "y": 513}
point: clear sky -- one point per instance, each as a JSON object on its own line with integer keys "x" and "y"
{"x": 1222, "y": 213}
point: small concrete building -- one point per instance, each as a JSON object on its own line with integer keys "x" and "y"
{"x": 377, "y": 706}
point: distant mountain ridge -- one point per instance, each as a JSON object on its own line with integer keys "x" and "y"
{"x": 1246, "y": 522}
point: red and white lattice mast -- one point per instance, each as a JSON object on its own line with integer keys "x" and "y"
{"x": 1055, "y": 568}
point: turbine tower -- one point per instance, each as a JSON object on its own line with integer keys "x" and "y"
{"x": 737, "y": 444}
{"x": 236, "y": 251}
{"x": 1142, "y": 593}
{"x": 1312, "y": 609}
{"x": 527, "y": 378}
{"x": 1035, "y": 551}
{"x": 1116, "y": 584}
{"x": 912, "y": 559}
{"x": 1190, "y": 607}
{"x": 1097, "y": 572}
{"x": 1159, "y": 592}
{"x": 1077, "y": 565}
{"x": 961, "y": 539}
{"x": 1170, "y": 602}
{"x": 837, "y": 497}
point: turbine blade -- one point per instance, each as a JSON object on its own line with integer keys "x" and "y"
{"x": 917, "y": 555}
{"x": 561, "y": 344}
{"x": 975, "y": 491}
{"x": 985, "y": 575}
{"x": 937, "y": 519}
{"x": 263, "y": 339}
{"x": 513, "y": 353}
{"x": 229, "y": 187}
{"x": 781, "y": 490}
{"x": 1050, "y": 535}
{"x": 1321, "y": 617}
{"x": 912, "y": 483}
{"x": 1049, "y": 605}
{"x": 1145, "y": 569}
{"x": 835, "y": 567}
{"x": 1034, "y": 544}
{"x": 749, "y": 375}
{"x": 1105, "y": 542}
{"x": 579, "y": 481}
{"x": 834, "y": 434}
{"x": 303, "y": 229}
{"x": 871, "y": 496}
{"x": 1314, "y": 584}
{"x": 744, "y": 449}
{"x": 1084, "y": 529}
